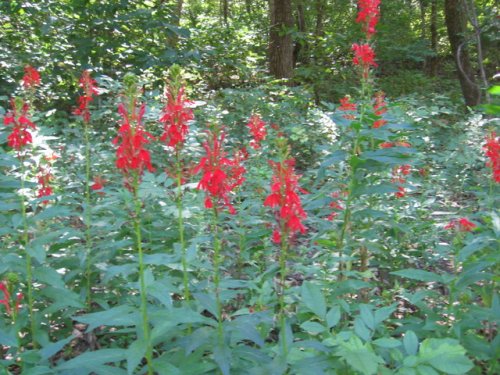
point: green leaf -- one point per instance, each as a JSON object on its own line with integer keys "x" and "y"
{"x": 135, "y": 353}
{"x": 313, "y": 327}
{"x": 410, "y": 343}
{"x": 387, "y": 342}
{"x": 360, "y": 357}
{"x": 367, "y": 316}
{"x": 48, "y": 276}
{"x": 334, "y": 157}
{"x": 333, "y": 317}
{"x": 313, "y": 298}
{"x": 494, "y": 90}
{"x": 93, "y": 360}
{"x": 445, "y": 355}
{"x": 48, "y": 351}
{"x": 416, "y": 274}
{"x": 122, "y": 315}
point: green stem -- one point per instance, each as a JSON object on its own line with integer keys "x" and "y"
{"x": 217, "y": 263}
{"x": 283, "y": 270}
{"x": 88, "y": 219}
{"x": 142, "y": 282}
{"x": 185, "y": 274}
{"x": 29, "y": 274}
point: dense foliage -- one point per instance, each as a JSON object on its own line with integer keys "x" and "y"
{"x": 210, "y": 219}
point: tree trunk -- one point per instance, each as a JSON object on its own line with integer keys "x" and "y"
{"x": 456, "y": 26}
{"x": 432, "y": 61}
{"x": 248, "y": 6}
{"x": 300, "y": 48}
{"x": 225, "y": 10}
{"x": 319, "y": 5}
{"x": 280, "y": 39}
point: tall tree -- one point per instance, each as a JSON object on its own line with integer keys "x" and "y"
{"x": 432, "y": 61}
{"x": 456, "y": 25}
{"x": 280, "y": 39}
{"x": 301, "y": 47}
{"x": 224, "y": 6}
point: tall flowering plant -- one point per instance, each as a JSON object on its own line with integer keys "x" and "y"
{"x": 132, "y": 158}
{"x": 89, "y": 87}
{"x": 175, "y": 119}
{"x": 221, "y": 175}
{"x": 19, "y": 139}
{"x": 285, "y": 201}
{"x": 492, "y": 152}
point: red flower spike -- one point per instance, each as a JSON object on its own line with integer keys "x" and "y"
{"x": 6, "y": 297}
{"x": 346, "y": 105}
{"x": 380, "y": 106}
{"x": 364, "y": 56}
{"x": 335, "y": 205}
{"x": 131, "y": 156}
{"x": 221, "y": 175}
{"x": 31, "y": 77}
{"x": 18, "y": 118}
{"x": 462, "y": 225}
{"x": 492, "y": 151}
{"x": 98, "y": 184}
{"x": 44, "y": 179}
{"x": 284, "y": 198}
{"x": 176, "y": 116}
{"x": 368, "y": 15}
{"x": 90, "y": 89}
{"x": 257, "y": 130}
{"x": 379, "y": 123}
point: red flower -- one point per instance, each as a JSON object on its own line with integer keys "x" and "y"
{"x": 6, "y": 301}
{"x": 90, "y": 89}
{"x": 368, "y": 14}
{"x": 398, "y": 179}
{"x": 380, "y": 106}
{"x": 131, "y": 156}
{"x": 44, "y": 179}
{"x": 346, "y": 105}
{"x": 176, "y": 116}
{"x": 387, "y": 145}
{"x": 379, "y": 123}
{"x": 31, "y": 77}
{"x": 492, "y": 151}
{"x": 6, "y": 297}
{"x": 284, "y": 188}
{"x": 335, "y": 205}
{"x": 98, "y": 184}
{"x": 258, "y": 130}
{"x": 18, "y": 118}
{"x": 364, "y": 56}
{"x": 462, "y": 224}
{"x": 221, "y": 175}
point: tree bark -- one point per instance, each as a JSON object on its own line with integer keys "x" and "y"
{"x": 248, "y": 6}
{"x": 456, "y": 26}
{"x": 225, "y": 10}
{"x": 280, "y": 39}
{"x": 319, "y": 5}
{"x": 300, "y": 48}
{"x": 432, "y": 61}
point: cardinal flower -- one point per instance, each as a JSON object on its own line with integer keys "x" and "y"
{"x": 492, "y": 152}
{"x": 90, "y": 89}
{"x": 463, "y": 225}
{"x": 131, "y": 155}
{"x": 31, "y": 77}
{"x": 176, "y": 116}
{"x": 285, "y": 199}
{"x": 221, "y": 175}
{"x": 346, "y": 105}
{"x": 257, "y": 130}
{"x": 18, "y": 118}
{"x": 368, "y": 15}
{"x": 364, "y": 56}
{"x": 6, "y": 301}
